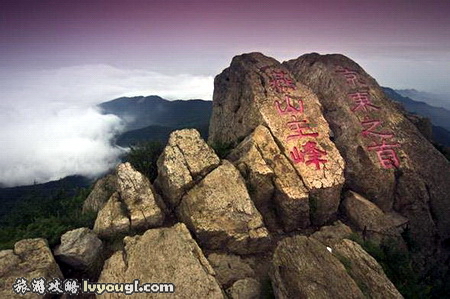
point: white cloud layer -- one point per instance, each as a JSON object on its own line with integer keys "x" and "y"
{"x": 49, "y": 127}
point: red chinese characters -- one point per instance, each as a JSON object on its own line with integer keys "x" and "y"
{"x": 298, "y": 127}
{"x": 309, "y": 155}
{"x": 290, "y": 105}
{"x": 386, "y": 154}
{"x": 280, "y": 81}
{"x": 362, "y": 102}
{"x": 350, "y": 76}
{"x": 371, "y": 127}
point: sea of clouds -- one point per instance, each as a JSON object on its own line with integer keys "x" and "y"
{"x": 50, "y": 127}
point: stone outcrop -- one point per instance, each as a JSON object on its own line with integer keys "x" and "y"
{"x": 163, "y": 255}
{"x": 31, "y": 258}
{"x": 257, "y": 90}
{"x": 102, "y": 191}
{"x": 275, "y": 183}
{"x": 81, "y": 249}
{"x": 365, "y": 271}
{"x": 133, "y": 206}
{"x": 221, "y": 214}
{"x": 186, "y": 159}
{"x": 304, "y": 268}
{"x": 370, "y": 219}
{"x": 388, "y": 160}
{"x": 112, "y": 219}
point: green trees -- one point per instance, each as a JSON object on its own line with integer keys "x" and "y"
{"x": 143, "y": 157}
{"x": 45, "y": 217}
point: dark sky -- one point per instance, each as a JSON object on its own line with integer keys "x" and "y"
{"x": 201, "y": 36}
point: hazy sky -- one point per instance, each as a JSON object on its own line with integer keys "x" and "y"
{"x": 58, "y": 58}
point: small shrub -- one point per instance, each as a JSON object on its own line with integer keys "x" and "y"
{"x": 143, "y": 158}
{"x": 222, "y": 149}
{"x": 45, "y": 217}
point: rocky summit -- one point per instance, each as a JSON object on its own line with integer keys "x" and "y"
{"x": 312, "y": 184}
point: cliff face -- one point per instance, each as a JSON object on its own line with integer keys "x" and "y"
{"x": 319, "y": 156}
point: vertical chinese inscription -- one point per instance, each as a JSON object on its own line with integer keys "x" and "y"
{"x": 380, "y": 141}
{"x": 292, "y": 108}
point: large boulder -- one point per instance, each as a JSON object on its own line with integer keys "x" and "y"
{"x": 388, "y": 160}
{"x": 112, "y": 219}
{"x": 370, "y": 219}
{"x": 145, "y": 208}
{"x": 304, "y": 268}
{"x": 133, "y": 206}
{"x": 102, "y": 191}
{"x": 365, "y": 270}
{"x": 186, "y": 159}
{"x": 163, "y": 255}
{"x": 81, "y": 249}
{"x": 273, "y": 180}
{"x": 257, "y": 90}
{"x": 221, "y": 214}
{"x": 30, "y": 259}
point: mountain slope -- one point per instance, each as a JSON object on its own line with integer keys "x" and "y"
{"x": 440, "y": 117}
{"x": 141, "y": 112}
{"x": 436, "y": 100}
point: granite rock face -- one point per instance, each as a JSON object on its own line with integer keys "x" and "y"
{"x": 134, "y": 205}
{"x": 365, "y": 271}
{"x": 80, "y": 248}
{"x": 257, "y": 90}
{"x": 370, "y": 219}
{"x": 31, "y": 258}
{"x": 221, "y": 214}
{"x": 275, "y": 183}
{"x": 304, "y": 268}
{"x": 163, "y": 255}
{"x": 186, "y": 159}
{"x": 388, "y": 160}
{"x": 102, "y": 191}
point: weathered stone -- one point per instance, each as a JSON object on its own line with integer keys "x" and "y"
{"x": 365, "y": 271}
{"x": 229, "y": 268}
{"x": 142, "y": 203}
{"x": 163, "y": 255}
{"x": 221, "y": 214}
{"x": 112, "y": 219}
{"x": 133, "y": 206}
{"x": 304, "y": 268}
{"x": 31, "y": 258}
{"x": 388, "y": 160}
{"x": 185, "y": 159}
{"x": 102, "y": 191}
{"x": 367, "y": 217}
{"x": 258, "y": 90}
{"x": 332, "y": 234}
{"x": 275, "y": 179}
{"x": 80, "y": 248}
{"x": 361, "y": 212}
{"x": 247, "y": 288}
